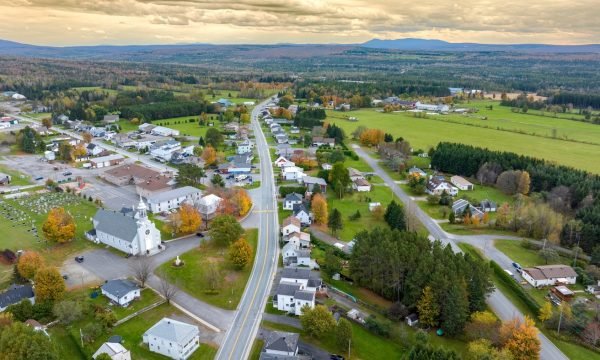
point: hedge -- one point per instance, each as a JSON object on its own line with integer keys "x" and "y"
{"x": 511, "y": 283}
{"x": 285, "y": 190}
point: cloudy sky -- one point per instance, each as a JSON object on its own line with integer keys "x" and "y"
{"x": 90, "y": 22}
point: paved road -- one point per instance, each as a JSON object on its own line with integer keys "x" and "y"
{"x": 241, "y": 334}
{"x": 107, "y": 265}
{"x": 499, "y": 303}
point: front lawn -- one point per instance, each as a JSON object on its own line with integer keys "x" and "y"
{"x": 192, "y": 276}
{"x": 525, "y": 257}
{"x": 17, "y": 178}
{"x": 147, "y": 298}
{"x": 435, "y": 211}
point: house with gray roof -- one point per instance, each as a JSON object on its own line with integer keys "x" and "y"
{"x": 174, "y": 339}
{"x": 120, "y": 291}
{"x": 310, "y": 182}
{"x": 116, "y": 351}
{"x": 280, "y": 345}
{"x": 110, "y": 119}
{"x": 173, "y": 199}
{"x": 132, "y": 234}
{"x": 290, "y": 200}
{"x": 292, "y": 297}
{"x": 15, "y": 294}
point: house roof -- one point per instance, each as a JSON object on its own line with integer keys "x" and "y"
{"x": 304, "y": 295}
{"x": 119, "y": 287}
{"x": 162, "y": 182}
{"x": 459, "y": 180}
{"x": 354, "y": 172}
{"x": 308, "y": 180}
{"x": 361, "y": 182}
{"x": 301, "y": 235}
{"x": 287, "y": 289}
{"x": 287, "y": 247}
{"x": 117, "y": 224}
{"x": 293, "y": 197}
{"x": 413, "y": 317}
{"x": 282, "y": 341}
{"x": 133, "y": 170}
{"x": 112, "y": 157}
{"x": 295, "y": 273}
{"x": 298, "y": 208}
{"x": 173, "y": 194}
{"x": 15, "y": 294}
{"x": 210, "y": 199}
{"x": 291, "y": 220}
{"x": 111, "y": 349}
{"x": 173, "y": 330}
{"x": 543, "y": 272}
{"x": 303, "y": 253}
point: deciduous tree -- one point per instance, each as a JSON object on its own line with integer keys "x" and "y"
{"x": 240, "y": 253}
{"x": 67, "y": 311}
{"x": 87, "y": 137}
{"x": 49, "y": 284}
{"x": 213, "y": 137}
{"x": 59, "y": 226}
{"x": 29, "y": 263}
{"x": 242, "y": 201}
{"x": 343, "y": 334}
{"x": 186, "y": 220}
{"x": 141, "y": 268}
{"x": 225, "y": 229}
{"x": 428, "y": 308}
{"x": 546, "y": 312}
{"x": 209, "y": 155}
{"x": 520, "y": 338}
{"x": 319, "y": 209}
{"x": 317, "y": 321}
{"x": 21, "y": 342}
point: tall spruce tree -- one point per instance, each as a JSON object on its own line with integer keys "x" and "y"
{"x": 394, "y": 216}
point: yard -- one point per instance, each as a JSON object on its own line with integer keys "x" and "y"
{"x": 192, "y": 276}
{"x": 29, "y": 213}
{"x": 509, "y": 131}
{"x": 17, "y": 177}
{"x": 183, "y": 124}
{"x": 525, "y": 257}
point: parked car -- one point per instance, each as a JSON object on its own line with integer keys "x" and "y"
{"x": 39, "y": 178}
{"x": 67, "y": 173}
{"x": 516, "y": 265}
{"x": 229, "y": 177}
{"x": 66, "y": 277}
{"x": 79, "y": 259}
{"x": 199, "y": 234}
{"x": 336, "y": 357}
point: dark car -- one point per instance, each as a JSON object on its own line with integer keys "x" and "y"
{"x": 230, "y": 177}
{"x": 39, "y": 178}
{"x": 516, "y": 266}
{"x": 66, "y": 277}
{"x": 128, "y": 256}
{"x": 67, "y": 173}
{"x": 336, "y": 357}
{"x": 199, "y": 234}
{"x": 79, "y": 259}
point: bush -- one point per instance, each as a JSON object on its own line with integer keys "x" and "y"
{"x": 511, "y": 283}
{"x": 379, "y": 327}
{"x": 284, "y": 190}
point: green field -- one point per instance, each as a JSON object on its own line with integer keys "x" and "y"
{"x": 525, "y": 257}
{"x": 182, "y": 124}
{"x": 428, "y": 132}
{"x": 191, "y": 276}
{"x": 17, "y": 177}
{"x": 16, "y": 237}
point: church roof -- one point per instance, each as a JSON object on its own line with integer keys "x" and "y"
{"x": 117, "y": 224}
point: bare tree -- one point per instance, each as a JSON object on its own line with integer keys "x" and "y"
{"x": 166, "y": 287}
{"x": 142, "y": 268}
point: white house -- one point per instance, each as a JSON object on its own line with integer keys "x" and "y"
{"x": 172, "y": 199}
{"x": 461, "y": 183}
{"x": 280, "y": 345}
{"x": 301, "y": 276}
{"x": 412, "y": 319}
{"x": 116, "y": 351}
{"x": 432, "y": 107}
{"x": 292, "y": 297}
{"x": 208, "y": 206}
{"x": 15, "y": 294}
{"x": 290, "y": 225}
{"x": 326, "y": 166}
{"x": 164, "y": 131}
{"x": 165, "y": 151}
{"x": 300, "y": 239}
{"x": 545, "y": 275}
{"x": 131, "y": 234}
{"x": 354, "y": 174}
{"x": 361, "y": 185}
{"x": 174, "y": 339}
{"x": 105, "y": 161}
{"x": 290, "y": 200}
{"x": 437, "y": 187}
{"x": 292, "y": 173}
{"x": 244, "y": 147}
{"x": 301, "y": 213}
{"x": 416, "y": 171}
{"x": 283, "y": 162}
{"x": 93, "y": 149}
{"x": 120, "y": 291}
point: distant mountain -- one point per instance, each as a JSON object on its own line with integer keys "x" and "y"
{"x": 411, "y": 44}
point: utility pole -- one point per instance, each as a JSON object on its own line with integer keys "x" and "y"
{"x": 559, "y": 320}
{"x": 349, "y": 342}
{"x": 576, "y": 250}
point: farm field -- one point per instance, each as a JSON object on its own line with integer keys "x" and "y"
{"x": 428, "y": 132}
{"x": 191, "y": 277}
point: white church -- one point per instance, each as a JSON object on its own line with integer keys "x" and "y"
{"x": 132, "y": 233}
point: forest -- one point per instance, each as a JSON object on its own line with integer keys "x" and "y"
{"x": 583, "y": 187}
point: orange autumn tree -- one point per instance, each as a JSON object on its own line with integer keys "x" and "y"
{"x": 185, "y": 221}
{"x": 319, "y": 209}
{"x": 240, "y": 253}
{"x": 520, "y": 338}
{"x": 241, "y": 199}
{"x": 29, "y": 263}
{"x": 87, "y": 137}
{"x": 371, "y": 137}
{"x": 79, "y": 150}
{"x": 59, "y": 226}
{"x": 209, "y": 155}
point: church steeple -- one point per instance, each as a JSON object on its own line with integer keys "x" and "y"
{"x": 141, "y": 209}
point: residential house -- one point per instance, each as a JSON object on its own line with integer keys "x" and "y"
{"x": 146, "y": 127}
{"x": 15, "y": 294}
{"x": 361, "y": 185}
{"x": 5, "y": 179}
{"x": 326, "y": 166}
{"x": 123, "y": 141}
{"x": 280, "y": 346}
{"x": 294, "y": 130}
{"x": 343, "y": 107}
{"x": 283, "y": 162}
{"x": 436, "y": 186}
{"x": 412, "y": 319}
{"x": 245, "y": 147}
{"x": 294, "y": 256}
{"x": 285, "y": 150}
{"x": 97, "y": 132}
{"x": 302, "y": 276}
{"x": 110, "y": 119}
{"x": 120, "y": 291}
{"x": 301, "y": 213}
{"x": 461, "y": 205}
{"x": 290, "y": 200}
{"x": 416, "y": 171}
{"x": 320, "y": 141}
{"x": 164, "y": 131}
{"x": 594, "y": 289}
{"x": 487, "y": 206}
{"x": 461, "y": 183}
{"x": 292, "y": 173}
{"x": 172, "y": 338}
{"x": 93, "y": 149}
{"x": 208, "y": 206}
{"x": 154, "y": 186}
{"x": 292, "y": 298}
{"x": 310, "y": 182}
{"x": 173, "y": 199}
{"x": 164, "y": 151}
{"x": 224, "y": 102}
{"x": 545, "y": 275}
{"x": 115, "y": 351}
{"x": 299, "y": 239}
{"x": 432, "y": 107}
{"x": 132, "y": 234}
{"x": 355, "y": 174}
{"x": 290, "y": 225}
{"x": 281, "y": 138}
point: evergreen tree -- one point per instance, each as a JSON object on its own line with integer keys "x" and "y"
{"x": 201, "y": 141}
{"x": 455, "y": 310}
{"x": 428, "y": 308}
{"x": 335, "y": 221}
{"x": 394, "y": 216}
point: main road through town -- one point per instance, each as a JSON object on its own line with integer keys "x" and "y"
{"x": 240, "y": 336}
{"x": 499, "y": 303}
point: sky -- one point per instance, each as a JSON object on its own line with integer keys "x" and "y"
{"x": 120, "y": 22}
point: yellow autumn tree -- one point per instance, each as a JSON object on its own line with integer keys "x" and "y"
{"x": 59, "y": 226}
{"x": 524, "y": 183}
{"x": 245, "y": 118}
{"x": 319, "y": 209}
{"x": 520, "y": 338}
{"x": 545, "y": 312}
{"x": 29, "y": 263}
{"x": 240, "y": 253}
{"x": 371, "y": 137}
{"x": 209, "y": 155}
{"x": 49, "y": 285}
{"x": 242, "y": 201}
{"x": 185, "y": 221}
{"x": 79, "y": 151}
{"x": 87, "y": 137}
